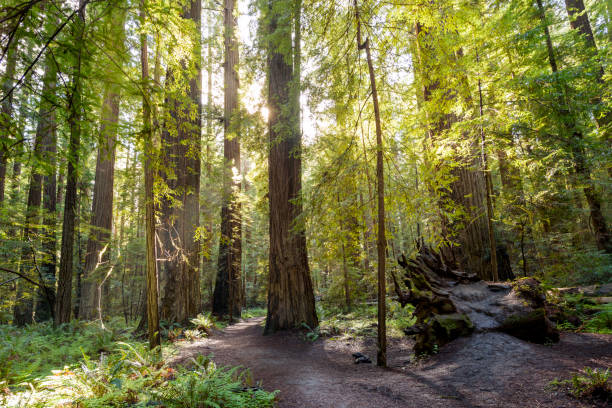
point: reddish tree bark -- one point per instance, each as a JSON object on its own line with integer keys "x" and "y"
{"x": 290, "y": 294}
{"x": 179, "y": 277}
{"x": 228, "y": 293}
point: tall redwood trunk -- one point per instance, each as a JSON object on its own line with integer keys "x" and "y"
{"x": 228, "y": 292}
{"x": 63, "y": 305}
{"x": 97, "y": 255}
{"x": 43, "y": 149}
{"x": 179, "y": 276}
{"x": 290, "y": 294}
{"x": 44, "y": 305}
{"x": 152, "y": 310}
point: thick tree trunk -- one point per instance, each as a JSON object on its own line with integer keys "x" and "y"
{"x": 290, "y": 294}
{"x": 179, "y": 271}
{"x": 63, "y": 306}
{"x": 488, "y": 188}
{"x": 227, "y": 298}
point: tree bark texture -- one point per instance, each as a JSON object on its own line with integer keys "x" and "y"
{"x": 227, "y": 298}
{"x": 151, "y": 310}
{"x": 48, "y": 262}
{"x": 63, "y": 306}
{"x": 179, "y": 277}
{"x": 43, "y": 149}
{"x": 97, "y": 255}
{"x": 290, "y": 294}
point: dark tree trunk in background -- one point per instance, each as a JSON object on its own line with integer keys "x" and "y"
{"x": 6, "y": 112}
{"x": 576, "y": 142}
{"x": 179, "y": 276}
{"x": 468, "y": 188}
{"x": 290, "y": 295}
{"x": 63, "y": 306}
{"x": 227, "y": 298}
{"x": 44, "y": 310}
{"x": 24, "y": 308}
{"x": 579, "y": 20}
{"x": 97, "y": 255}
{"x": 43, "y": 149}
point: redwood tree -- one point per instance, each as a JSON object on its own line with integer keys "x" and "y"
{"x": 290, "y": 295}
{"x": 227, "y": 295}
{"x": 179, "y": 277}
{"x": 97, "y": 257}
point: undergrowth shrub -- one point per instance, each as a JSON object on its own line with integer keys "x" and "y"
{"x": 84, "y": 366}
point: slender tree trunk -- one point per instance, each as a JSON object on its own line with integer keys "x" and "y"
{"x": 227, "y": 295}
{"x": 579, "y": 20}
{"x": 24, "y": 308}
{"x": 44, "y": 309}
{"x": 149, "y": 170}
{"x": 381, "y": 242}
{"x": 489, "y": 187}
{"x": 290, "y": 295}
{"x": 581, "y": 168}
{"x": 63, "y": 307}
{"x": 6, "y": 111}
{"x": 179, "y": 275}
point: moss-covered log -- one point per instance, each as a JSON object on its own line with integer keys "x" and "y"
{"x": 450, "y": 303}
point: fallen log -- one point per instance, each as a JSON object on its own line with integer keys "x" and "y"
{"x": 450, "y": 303}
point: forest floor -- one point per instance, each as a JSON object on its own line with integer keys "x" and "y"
{"x": 484, "y": 370}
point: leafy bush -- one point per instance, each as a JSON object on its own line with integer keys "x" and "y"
{"x": 591, "y": 383}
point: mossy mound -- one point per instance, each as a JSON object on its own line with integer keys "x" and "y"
{"x": 441, "y": 330}
{"x": 533, "y": 326}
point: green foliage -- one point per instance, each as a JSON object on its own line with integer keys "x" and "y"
{"x": 254, "y": 312}
{"x": 601, "y": 320}
{"x": 205, "y": 385}
{"x": 590, "y": 383}
{"x": 118, "y": 374}
{"x": 361, "y": 320}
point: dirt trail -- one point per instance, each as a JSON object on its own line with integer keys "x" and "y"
{"x": 484, "y": 370}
